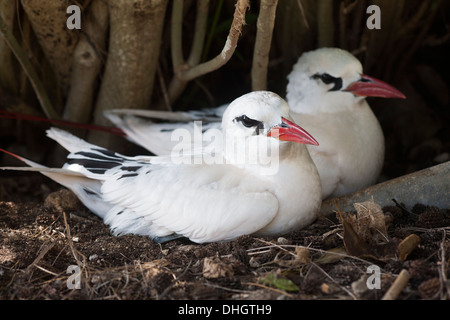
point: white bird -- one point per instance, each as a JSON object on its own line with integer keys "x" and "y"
{"x": 326, "y": 94}
{"x": 206, "y": 202}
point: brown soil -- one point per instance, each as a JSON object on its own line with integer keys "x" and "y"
{"x": 44, "y": 230}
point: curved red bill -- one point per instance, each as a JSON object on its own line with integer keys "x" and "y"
{"x": 289, "y": 131}
{"x": 371, "y": 87}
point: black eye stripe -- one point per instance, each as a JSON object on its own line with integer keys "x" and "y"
{"x": 248, "y": 122}
{"x": 259, "y": 128}
{"x": 327, "y": 79}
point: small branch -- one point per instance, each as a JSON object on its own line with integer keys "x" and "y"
{"x": 265, "y": 24}
{"x": 334, "y": 281}
{"x": 176, "y": 35}
{"x": 177, "y": 85}
{"x": 200, "y": 32}
{"x": 228, "y": 49}
{"x": 42, "y": 252}
{"x": 280, "y": 291}
{"x": 29, "y": 70}
{"x": 398, "y": 285}
{"x": 302, "y": 12}
{"x": 7, "y": 74}
{"x": 325, "y": 23}
{"x": 185, "y": 73}
{"x": 86, "y": 64}
{"x": 212, "y": 28}
{"x": 163, "y": 88}
{"x": 420, "y": 35}
{"x": 76, "y": 254}
{"x": 343, "y": 25}
{"x": 344, "y": 11}
{"x": 415, "y": 21}
{"x": 170, "y": 286}
{"x": 443, "y": 269}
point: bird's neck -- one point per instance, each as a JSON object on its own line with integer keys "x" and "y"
{"x": 325, "y": 104}
{"x": 263, "y": 156}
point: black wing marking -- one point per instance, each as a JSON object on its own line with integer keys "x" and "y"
{"x": 98, "y": 161}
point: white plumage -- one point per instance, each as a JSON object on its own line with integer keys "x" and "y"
{"x": 204, "y": 202}
{"x": 326, "y": 95}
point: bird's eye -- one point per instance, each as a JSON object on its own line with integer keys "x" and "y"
{"x": 327, "y": 79}
{"x": 248, "y": 122}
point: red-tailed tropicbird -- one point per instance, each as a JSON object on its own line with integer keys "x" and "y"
{"x": 326, "y": 95}
{"x": 205, "y": 202}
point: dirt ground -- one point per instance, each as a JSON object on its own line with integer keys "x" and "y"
{"x": 52, "y": 247}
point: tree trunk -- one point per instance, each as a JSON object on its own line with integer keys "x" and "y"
{"x": 86, "y": 64}
{"x": 134, "y": 43}
{"x": 7, "y": 74}
{"x": 265, "y": 24}
{"x": 48, "y": 19}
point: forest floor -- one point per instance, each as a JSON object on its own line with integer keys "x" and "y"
{"x": 52, "y": 247}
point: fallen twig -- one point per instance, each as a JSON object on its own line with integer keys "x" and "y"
{"x": 169, "y": 287}
{"x": 443, "y": 270}
{"x": 398, "y": 285}
{"x": 44, "y": 249}
{"x": 335, "y": 282}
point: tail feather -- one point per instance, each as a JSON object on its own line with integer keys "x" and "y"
{"x": 87, "y": 189}
{"x": 45, "y": 170}
{"x": 159, "y": 137}
{"x": 207, "y": 115}
{"x": 28, "y": 162}
{"x": 70, "y": 142}
{"x": 154, "y": 137}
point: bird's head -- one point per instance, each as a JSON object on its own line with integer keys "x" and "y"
{"x": 331, "y": 79}
{"x": 259, "y": 132}
{"x": 262, "y": 117}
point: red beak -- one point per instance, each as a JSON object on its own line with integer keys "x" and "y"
{"x": 289, "y": 131}
{"x": 372, "y": 87}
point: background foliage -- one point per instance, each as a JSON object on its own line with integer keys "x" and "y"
{"x": 150, "y": 54}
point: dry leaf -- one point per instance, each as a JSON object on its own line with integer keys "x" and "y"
{"x": 407, "y": 246}
{"x": 214, "y": 267}
{"x": 302, "y": 256}
{"x": 155, "y": 263}
{"x": 331, "y": 256}
{"x": 365, "y": 234}
{"x": 327, "y": 289}
{"x": 371, "y": 222}
{"x": 353, "y": 243}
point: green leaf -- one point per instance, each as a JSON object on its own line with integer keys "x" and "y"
{"x": 279, "y": 283}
